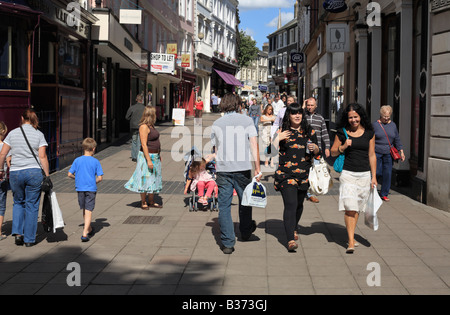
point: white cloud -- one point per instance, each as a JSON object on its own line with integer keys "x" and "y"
{"x": 249, "y": 32}
{"x": 285, "y": 17}
{"x": 261, "y": 4}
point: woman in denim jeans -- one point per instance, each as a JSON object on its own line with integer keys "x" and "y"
{"x": 25, "y": 176}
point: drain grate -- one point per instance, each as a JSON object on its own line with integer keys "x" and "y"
{"x": 143, "y": 219}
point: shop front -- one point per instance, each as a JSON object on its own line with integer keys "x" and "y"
{"x": 18, "y": 23}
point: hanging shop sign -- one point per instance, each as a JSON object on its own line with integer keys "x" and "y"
{"x": 130, "y": 16}
{"x": 338, "y": 37}
{"x": 185, "y": 60}
{"x": 335, "y": 6}
{"x": 162, "y": 63}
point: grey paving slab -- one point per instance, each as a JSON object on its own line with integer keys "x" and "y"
{"x": 181, "y": 253}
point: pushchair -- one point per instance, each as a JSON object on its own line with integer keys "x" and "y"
{"x": 210, "y": 168}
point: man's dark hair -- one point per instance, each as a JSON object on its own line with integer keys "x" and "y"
{"x": 230, "y": 103}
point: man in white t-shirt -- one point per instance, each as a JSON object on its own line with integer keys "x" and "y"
{"x": 230, "y": 134}
{"x": 277, "y": 104}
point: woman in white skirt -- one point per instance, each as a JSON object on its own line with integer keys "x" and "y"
{"x": 359, "y": 172}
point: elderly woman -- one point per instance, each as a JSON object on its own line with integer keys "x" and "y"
{"x": 386, "y": 133}
{"x": 25, "y": 176}
{"x": 147, "y": 177}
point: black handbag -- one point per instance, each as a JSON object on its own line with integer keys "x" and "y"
{"x": 46, "y": 184}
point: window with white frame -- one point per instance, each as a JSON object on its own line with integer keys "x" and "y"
{"x": 188, "y": 10}
{"x": 181, "y": 6}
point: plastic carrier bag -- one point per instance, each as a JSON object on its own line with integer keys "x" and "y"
{"x": 373, "y": 204}
{"x": 254, "y": 195}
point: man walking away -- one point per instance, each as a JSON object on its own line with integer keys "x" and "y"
{"x": 230, "y": 134}
{"x": 134, "y": 114}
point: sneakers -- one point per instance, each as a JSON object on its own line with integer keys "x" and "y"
{"x": 385, "y": 198}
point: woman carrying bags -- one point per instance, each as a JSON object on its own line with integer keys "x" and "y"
{"x": 359, "y": 172}
{"x": 297, "y": 143}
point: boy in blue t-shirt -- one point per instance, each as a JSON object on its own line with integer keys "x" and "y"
{"x": 87, "y": 172}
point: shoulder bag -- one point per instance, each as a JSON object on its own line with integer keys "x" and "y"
{"x": 393, "y": 150}
{"x": 46, "y": 184}
{"x": 339, "y": 162}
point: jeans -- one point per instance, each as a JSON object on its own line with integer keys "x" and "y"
{"x": 227, "y": 181}
{"x": 293, "y": 208}
{"x": 255, "y": 122}
{"x": 135, "y": 144}
{"x": 384, "y": 169}
{"x": 26, "y": 188}
{"x": 3, "y": 193}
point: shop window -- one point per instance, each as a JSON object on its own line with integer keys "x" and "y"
{"x": 69, "y": 62}
{"x": 13, "y": 55}
{"x": 337, "y": 97}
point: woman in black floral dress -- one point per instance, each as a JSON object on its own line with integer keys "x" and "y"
{"x": 297, "y": 145}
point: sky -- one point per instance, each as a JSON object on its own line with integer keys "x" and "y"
{"x": 259, "y": 18}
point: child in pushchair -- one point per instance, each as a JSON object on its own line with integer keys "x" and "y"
{"x": 200, "y": 176}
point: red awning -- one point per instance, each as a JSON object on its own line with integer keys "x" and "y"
{"x": 228, "y": 78}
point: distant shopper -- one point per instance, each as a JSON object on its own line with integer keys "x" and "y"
{"x": 359, "y": 172}
{"x": 198, "y": 107}
{"x": 317, "y": 122}
{"x": 134, "y": 114}
{"x": 386, "y": 132}
{"x": 87, "y": 172}
{"x": 254, "y": 112}
{"x": 234, "y": 137}
{"x": 214, "y": 101}
{"x": 4, "y": 184}
{"x": 147, "y": 177}
{"x": 26, "y": 175}
{"x": 267, "y": 120}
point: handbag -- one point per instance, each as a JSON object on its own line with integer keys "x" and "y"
{"x": 393, "y": 150}
{"x": 339, "y": 162}
{"x": 319, "y": 178}
{"x": 46, "y": 184}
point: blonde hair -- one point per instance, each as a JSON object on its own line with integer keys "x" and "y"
{"x": 3, "y": 129}
{"x": 385, "y": 109}
{"x": 89, "y": 144}
{"x": 148, "y": 116}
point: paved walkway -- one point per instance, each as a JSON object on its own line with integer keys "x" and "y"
{"x": 174, "y": 251}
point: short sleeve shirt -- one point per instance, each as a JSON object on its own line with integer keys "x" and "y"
{"x": 86, "y": 168}
{"x": 231, "y": 135}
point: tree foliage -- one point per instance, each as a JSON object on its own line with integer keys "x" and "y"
{"x": 247, "y": 49}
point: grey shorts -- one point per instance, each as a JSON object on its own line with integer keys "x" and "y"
{"x": 86, "y": 200}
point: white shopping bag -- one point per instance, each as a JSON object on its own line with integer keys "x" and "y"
{"x": 254, "y": 195}
{"x": 58, "y": 221}
{"x": 373, "y": 204}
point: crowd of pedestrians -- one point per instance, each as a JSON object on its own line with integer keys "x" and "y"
{"x": 294, "y": 132}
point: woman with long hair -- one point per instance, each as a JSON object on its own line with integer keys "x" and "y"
{"x": 359, "y": 172}
{"x": 297, "y": 144}
{"x": 26, "y": 176}
{"x": 267, "y": 120}
{"x": 147, "y": 177}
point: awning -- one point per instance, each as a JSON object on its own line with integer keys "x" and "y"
{"x": 228, "y": 78}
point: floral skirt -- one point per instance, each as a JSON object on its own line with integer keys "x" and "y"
{"x": 144, "y": 181}
{"x": 354, "y": 191}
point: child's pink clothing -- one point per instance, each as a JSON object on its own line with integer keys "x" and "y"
{"x": 209, "y": 188}
{"x": 203, "y": 176}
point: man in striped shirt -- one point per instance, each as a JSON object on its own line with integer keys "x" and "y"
{"x": 317, "y": 122}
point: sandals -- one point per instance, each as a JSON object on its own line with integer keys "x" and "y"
{"x": 144, "y": 206}
{"x": 155, "y": 205}
{"x": 292, "y": 246}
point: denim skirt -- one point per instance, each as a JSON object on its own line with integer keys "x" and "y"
{"x": 143, "y": 180}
